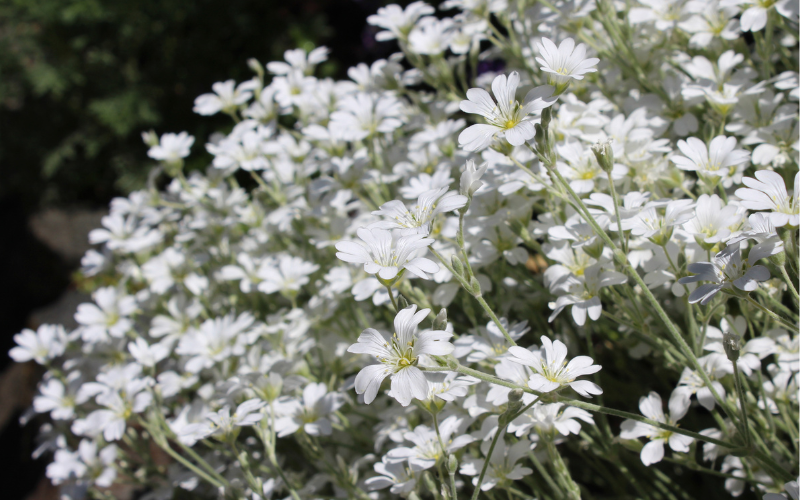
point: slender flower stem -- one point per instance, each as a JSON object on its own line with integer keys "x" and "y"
{"x": 580, "y": 404}
{"x": 616, "y": 212}
{"x": 475, "y": 294}
{"x": 772, "y": 315}
{"x": 500, "y": 431}
{"x": 740, "y": 393}
{"x": 622, "y": 259}
{"x": 789, "y": 283}
{"x": 391, "y": 296}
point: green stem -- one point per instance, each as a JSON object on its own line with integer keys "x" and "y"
{"x": 740, "y": 394}
{"x": 772, "y": 315}
{"x": 616, "y": 212}
{"x": 475, "y": 294}
{"x": 622, "y": 258}
{"x": 789, "y": 283}
{"x": 500, "y": 431}
{"x": 391, "y": 296}
{"x": 579, "y": 404}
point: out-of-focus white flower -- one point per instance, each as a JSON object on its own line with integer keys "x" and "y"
{"x": 768, "y": 192}
{"x": 46, "y": 343}
{"x": 396, "y": 21}
{"x": 226, "y": 97}
{"x": 652, "y": 408}
{"x": 172, "y": 147}
{"x": 503, "y": 468}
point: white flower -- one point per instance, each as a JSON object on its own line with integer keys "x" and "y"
{"x": 287, "y": 276}
{"x": 214, "y": 341}
{"x": 551, "y": 372}
{"x": 471, "y": 178}
{"x": 651, "y": 407}
{"x": 544, "y": 419}
{"x": 431, "y": 36}
{"x": 427, "y": 450}
{"x": 46, "y": 343}
{"x": 364, "y": 115}
{"x": 503, "y": 468}
{"x": 418, "y": 219}
{"x": 716, "y": 160}
{"x": 53, "y": 397}
{"x": 713, "y": 222}
{"x": 299, "y": 60}
{"x": 398, "y": 475}
{"x": 172, "y": 147}
{"x": 222, "y": 422}
{"x": 108, "y": 316}
{"x": 312, "y": 414}
{"x": 117, "y": 408}
{"x": 725, "y": 271}
{"x": 507, "y": 115}
{"x": 754, "y": 17}
{"x": 396, "y": 21}
{"x": 583, "y": 293}
{"x": 716, "y": 366}
{"x": 564, "y": 62}
{"x": 226, "y": 97}
{"x": 650, "y": 224}
{"x": 87, "y": 463}
{"x": 399, "y": 355}
{"x": 146, "y": 354}
{"x": 664, "y": 13}
{"x": 386, "y": 257}
{"x": 768, "y": 192}
{"x": 123, "y": 234}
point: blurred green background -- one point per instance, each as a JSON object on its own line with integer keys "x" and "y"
{"x": 79, "y": 81}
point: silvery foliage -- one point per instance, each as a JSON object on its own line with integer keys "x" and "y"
{"x": 390, "y": 285}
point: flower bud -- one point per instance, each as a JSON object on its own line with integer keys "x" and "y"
{"x": 440, "y": 321}
{"x": 475, "y": 285}
{"x": 402, "y": 302}
{"x": 779, "y": 259}
{"x": 150, "y": 138}
{"x": 452, "y": 464}
{"x": 256, "y": 66}
{"x": 605, "y": 155}
{"x": 730, "y": 341}
{"x": 458, "y": 267}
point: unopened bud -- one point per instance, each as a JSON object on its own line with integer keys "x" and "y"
{"x": 440, "y": 321}
{"x": 413, "y": 496}
{"x": 256, "y": 66}
{"x": 605, "y": 155}
{"x": 458, "y": 267}
{"x": 730, "y": 341}
{"x": 475, "y": 285}
{"x": 402, "y": 302}
{"x": 452, "y": 464}
{"x": 150, "y": 138}
{"x": 779, "y": 259}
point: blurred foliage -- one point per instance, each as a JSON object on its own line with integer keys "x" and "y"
{"x": 80, "y": 79}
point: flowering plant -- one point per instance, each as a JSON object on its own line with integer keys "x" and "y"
{"x": 361, "y": 296}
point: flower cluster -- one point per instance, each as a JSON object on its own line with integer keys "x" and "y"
{"x": 361, "y": 296}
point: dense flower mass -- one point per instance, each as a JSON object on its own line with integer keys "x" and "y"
{"x": 361, "y": 296}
